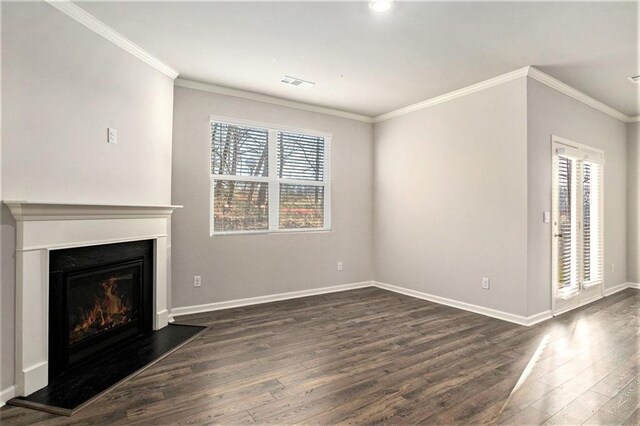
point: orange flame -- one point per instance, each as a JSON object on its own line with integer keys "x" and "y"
{"x": 107, "y": 312}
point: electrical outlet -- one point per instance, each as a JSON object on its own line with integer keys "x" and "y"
{"x": 197, "y": 281}
{"x": 112, "y": 136}
{"x": 339, "y": 266}
{"x": 485, "y": 283}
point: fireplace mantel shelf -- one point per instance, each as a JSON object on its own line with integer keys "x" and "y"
{"x": 41, "y": 211}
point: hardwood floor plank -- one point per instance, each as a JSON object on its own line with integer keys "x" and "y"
{"x": 373, "y": 356}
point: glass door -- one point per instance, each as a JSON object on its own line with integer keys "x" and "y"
{"x": 577, "y": 232}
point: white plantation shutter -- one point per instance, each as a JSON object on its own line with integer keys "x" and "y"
{"x": 565, "y": 237}
{"x": 578, "y": 229}
{"x": 265, "y": 179}
{"x": 593, "y": 224}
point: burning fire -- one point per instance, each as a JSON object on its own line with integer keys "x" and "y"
{"x": 107, "y": 312}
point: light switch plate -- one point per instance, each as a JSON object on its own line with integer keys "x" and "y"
{"x": 112, "y": 136}
{"x": 546, "y": 217}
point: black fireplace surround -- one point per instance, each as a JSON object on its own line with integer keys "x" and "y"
{"x": 100, "y": 298}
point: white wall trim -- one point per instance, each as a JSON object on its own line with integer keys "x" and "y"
{"x": 7, "y": 394}
{"x": 494, "y": 313}
{"x": 483, "y": 85}
{"x": 274, "y": 100}
{"x": 529, "y": 71}
{"x": 556, "y": 84}
{"x": 102, "y": 29}
{"x": 209, "y": 307}
{"x": 615, "y": 289}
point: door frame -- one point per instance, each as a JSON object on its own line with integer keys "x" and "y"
{"x": 581, "y": 302}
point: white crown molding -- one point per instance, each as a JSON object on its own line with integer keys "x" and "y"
{"x": 483, "y": 85}
{"x": 99, "y": 27}
{"x": 561, "y": 87}
{"x": 207, "y": 87}
{"x": 36, "y": 211}
{"x": 209, "y": 307}
{"x": 102, "y": 29}
{"x": 529, "y": 71}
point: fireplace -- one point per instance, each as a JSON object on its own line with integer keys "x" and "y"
{"x": 100, "y": 299}
{"x": 46, "y": 228}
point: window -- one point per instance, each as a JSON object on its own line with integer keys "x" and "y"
{"x": 265, "y": 179}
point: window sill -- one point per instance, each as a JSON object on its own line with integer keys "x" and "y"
{"x": 280, "y": 232}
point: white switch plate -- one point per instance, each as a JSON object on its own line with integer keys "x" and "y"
{"x": 112, "y": 136}
{"x": 197, "y": 281}
{"x": 485, "y": 283}
{"x": 339, "y": 266}
{"x": 546, "y": 217}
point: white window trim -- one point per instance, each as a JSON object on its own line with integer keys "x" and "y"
{"x": 273, "y": 181}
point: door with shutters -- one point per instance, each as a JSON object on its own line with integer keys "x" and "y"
{"x": 577, "y": 231}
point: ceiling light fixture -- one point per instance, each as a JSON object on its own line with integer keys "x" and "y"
{"x": 635, "y": 79}
{"x": 380, "y": 6}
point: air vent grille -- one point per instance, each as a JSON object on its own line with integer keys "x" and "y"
{"x": 296, "y": 82}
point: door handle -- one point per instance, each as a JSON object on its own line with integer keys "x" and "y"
{"x": 557, "y": 235}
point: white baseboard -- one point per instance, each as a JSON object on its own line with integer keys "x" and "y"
{"x": 539, "y": 317}
{"x": 196, "y": 309}
{"x": 505, "y": 316}
{"x": 615, "y": 289}
{"x": 494, "y": 313}
{"x": 7, "y": 394}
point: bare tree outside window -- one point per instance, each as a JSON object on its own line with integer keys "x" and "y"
{"x": 267, "y": 180}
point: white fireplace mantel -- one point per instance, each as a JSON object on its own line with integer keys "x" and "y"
{"x": 44, "y": 226}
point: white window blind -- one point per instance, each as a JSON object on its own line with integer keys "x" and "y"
{"x": 265, "y": 179}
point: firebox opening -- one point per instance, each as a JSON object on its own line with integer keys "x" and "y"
{"x": 100, "y": 299}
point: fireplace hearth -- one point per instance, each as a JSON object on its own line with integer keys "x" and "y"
{"x": 100, "y": 300}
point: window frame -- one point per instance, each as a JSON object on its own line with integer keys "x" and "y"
{"x": 272, "y": 180}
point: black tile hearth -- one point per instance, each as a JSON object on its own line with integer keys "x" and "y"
{"x": 81, "y": 385}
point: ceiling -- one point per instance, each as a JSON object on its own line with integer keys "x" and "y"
{"x": 374, "y": 63}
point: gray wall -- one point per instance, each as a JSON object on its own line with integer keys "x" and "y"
{"x": 63, "y": 85}
{"x": 450, "y": 196}
{"x": 241, "y": 266}
{"x": 633, "y": 194}
{"x": 553, "y": 113}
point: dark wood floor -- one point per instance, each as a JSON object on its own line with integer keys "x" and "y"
{"x": 371, "y": 356}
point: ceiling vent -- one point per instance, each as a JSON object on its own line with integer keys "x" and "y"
{"x": 635, "y": 79}
{"x": 296, "y": 82}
